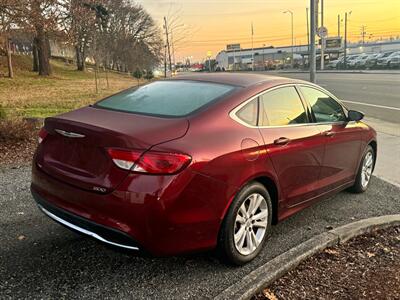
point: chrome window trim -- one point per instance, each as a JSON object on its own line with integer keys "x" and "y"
{"x": 234, "y": 117}
{"x": 82, "y": 230}
{"x": 233, "y": 112}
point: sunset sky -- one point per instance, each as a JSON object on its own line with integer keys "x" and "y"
{"x": 212, "y": 24}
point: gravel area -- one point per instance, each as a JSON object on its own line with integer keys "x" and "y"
{"x": 366, "y": 267}
{"x": 41, "y": 259}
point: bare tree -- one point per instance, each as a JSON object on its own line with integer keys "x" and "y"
{"x": 126, "y": 37}
{"x": 39, "y": 17}
{"x": 179, "y": 33}
{"x": 6, "y": 22}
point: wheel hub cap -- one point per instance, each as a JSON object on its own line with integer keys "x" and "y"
{"x": 366, "y": 171}
{"x": 250, "y": 224}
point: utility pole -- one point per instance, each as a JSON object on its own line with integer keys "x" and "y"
{"x": 345, "y": 41}
{"x": 169, "y": 49}
{"x": 308, "y": 35}
{"x": 338, "y": 25}
{"x": 173, "y": 49}
{"x": 291, "y": 18}
{"x": 363, "y": 33}
{"x": 165, "y": 61}
{"x": 322, "y": 38}
{"x": 312, "y": 39}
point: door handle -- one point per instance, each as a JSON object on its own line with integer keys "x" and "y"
{"x": 329, "y": 133}
{"x": 281, "y": 141}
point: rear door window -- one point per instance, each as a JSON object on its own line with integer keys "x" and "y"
{"x": 172, "y": 98}
{"x": 281, "y": 107}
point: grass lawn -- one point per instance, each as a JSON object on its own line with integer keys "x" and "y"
{"x": 29, "y": 95}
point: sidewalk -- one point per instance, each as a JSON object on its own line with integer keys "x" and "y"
{"x": 388, "y": 160}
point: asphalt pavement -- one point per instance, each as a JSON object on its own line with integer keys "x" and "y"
{"x": 41, "y": 259}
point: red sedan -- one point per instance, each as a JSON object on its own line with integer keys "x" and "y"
{"x": 199, "y": 162}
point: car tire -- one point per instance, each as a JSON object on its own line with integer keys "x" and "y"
{"x": 361, "y": 184}
{"x": 230, "y": 249}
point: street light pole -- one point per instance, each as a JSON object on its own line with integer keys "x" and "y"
{"x": 312, "y": 40}
{"x": 291, "y": 15}
{"x": 252, "y": 47}
{"x": 345, "y": 40}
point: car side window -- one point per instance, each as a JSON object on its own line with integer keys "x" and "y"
{"x": 280, "y": 107}
{"x": 325, "y": 109}
{"x": 249, "y": 113}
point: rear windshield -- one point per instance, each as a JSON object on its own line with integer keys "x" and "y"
{"x": 166, "y": 98}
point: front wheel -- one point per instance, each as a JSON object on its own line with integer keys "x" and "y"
{"x": 246, "y": 225}
{"x": 365, "y": 169}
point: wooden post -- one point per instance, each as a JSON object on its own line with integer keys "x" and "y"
{"x": 9, "y": 59}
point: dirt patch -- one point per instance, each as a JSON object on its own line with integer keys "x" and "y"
{"x": 18, "y": 141}
{"x": 366, "y": 267}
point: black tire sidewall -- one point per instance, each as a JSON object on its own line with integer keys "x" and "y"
{"x": 226, "y": 242}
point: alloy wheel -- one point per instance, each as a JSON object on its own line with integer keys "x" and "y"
{"x": 250, "y": 224}
{"x": 366, "y": 171}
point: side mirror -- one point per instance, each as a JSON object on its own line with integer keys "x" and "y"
{"x": 353, "y": 115}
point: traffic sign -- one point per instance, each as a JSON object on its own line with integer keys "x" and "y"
{"x": 322, "y": 32}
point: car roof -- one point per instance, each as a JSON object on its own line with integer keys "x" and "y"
{"x": 236, "y": 79}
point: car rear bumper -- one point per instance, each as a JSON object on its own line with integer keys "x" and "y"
{"x": 159, "y": 215}
{"x": 84, "y": 226}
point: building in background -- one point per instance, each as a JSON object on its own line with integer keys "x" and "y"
{"x": 234, "y": 58}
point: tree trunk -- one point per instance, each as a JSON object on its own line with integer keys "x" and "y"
{"x": 35, "y": 67}
{"x": 43, "y": 52}
{"x": 80, "y": 59}
{"x": 95, "y": 78}
{"x": 9, "y": 61}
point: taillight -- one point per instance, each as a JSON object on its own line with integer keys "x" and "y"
{"x": 151, "y": 162}
{"x": 125, "y": 159}
{"x": 42, "y": 135}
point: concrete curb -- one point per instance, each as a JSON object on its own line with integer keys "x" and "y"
{"x": 264, "y": 275}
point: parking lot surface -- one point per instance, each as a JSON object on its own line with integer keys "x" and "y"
{"x": 41, "y": 259}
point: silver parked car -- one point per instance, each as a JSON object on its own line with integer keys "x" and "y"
{"x": 394, "y": 60}
{"x": 383, "y": 61}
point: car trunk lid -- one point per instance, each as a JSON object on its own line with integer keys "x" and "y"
{"x": 75, "y": 149}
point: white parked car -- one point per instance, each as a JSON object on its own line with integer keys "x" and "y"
{"x": 372, "y": 59}
{"x": 360, "y": 61}
{"x": 335, "y": 64}
{"x": 351, "y": 61}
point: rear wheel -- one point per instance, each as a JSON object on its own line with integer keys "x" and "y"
{"x": 364, "y": 171}
{"x": 246, "y": 225}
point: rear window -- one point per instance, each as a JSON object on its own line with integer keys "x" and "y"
{"x": 166, "y": 98}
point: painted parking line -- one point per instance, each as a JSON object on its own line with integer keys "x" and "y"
{"x": 372, "y": 105}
